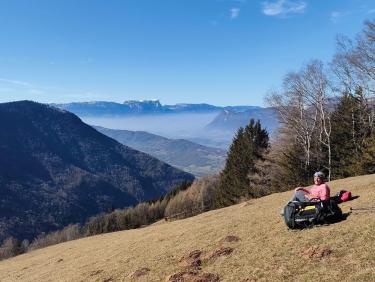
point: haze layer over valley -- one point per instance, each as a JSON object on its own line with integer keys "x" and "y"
{"x": 200, "y": 123}
{"x": 189, "y": 156}
{"x": 185, "y": 125}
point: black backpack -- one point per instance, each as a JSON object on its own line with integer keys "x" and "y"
{"x": 298, "y": 215}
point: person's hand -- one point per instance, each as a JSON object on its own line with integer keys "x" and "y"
{"x": 311, "y": 197}
{"x": 298, "y": 189}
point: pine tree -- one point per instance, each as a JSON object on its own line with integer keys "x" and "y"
{"x": 247, "y": 147}
{"x": 367, "y": 163}
{"x": 351, "y": 135}
{"x": 293, "y": 169}
{"x": 345, "y": 151}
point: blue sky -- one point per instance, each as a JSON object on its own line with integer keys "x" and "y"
{"x": 222, "y": 52}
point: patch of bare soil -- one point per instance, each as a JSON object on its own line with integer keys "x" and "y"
{"x": 192, "y": 276}
{"x": 221, "y": 252}
{"x": 230, "y": 239}
{"x": 317, "y": 252}
{"x": 192, "y": 260}
{"x": 140, "y": 272}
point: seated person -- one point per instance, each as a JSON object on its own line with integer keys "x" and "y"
{"x": 320, "y": 191}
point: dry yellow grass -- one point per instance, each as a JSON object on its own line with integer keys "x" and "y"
{"x": 266, "y": 251}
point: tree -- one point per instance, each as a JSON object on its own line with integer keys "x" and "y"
{"x": 248, "y": 146}
{"x": 11, "y": 247}
{"x": 345, "y": 135}
{"x": 367, "y": 163}
{"x": 354, "y": 66}
{"x": 303, "y": 106}
{"x": 287, "y": 154}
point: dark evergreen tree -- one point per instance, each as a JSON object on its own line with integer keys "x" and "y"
{"x": 345, "y": 128}
{"x": 247, "y": 147}
{"x": 367, "y": 162}
{"x": 294, "y": 171}
{"x": 351, "y": 135}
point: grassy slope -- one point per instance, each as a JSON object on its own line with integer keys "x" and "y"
{"x": 267, "y": 251}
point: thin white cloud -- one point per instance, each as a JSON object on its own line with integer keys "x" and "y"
{"x": 19, "y": 86}
{"x": 234, "y": 13}
{"x": 372, "y": 11}
{"x": 284, "y": 8}
{"x": 336, "y": 16}
{"x": 15, "y": 82}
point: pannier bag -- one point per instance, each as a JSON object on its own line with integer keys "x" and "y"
{"x": 299, "y": 215}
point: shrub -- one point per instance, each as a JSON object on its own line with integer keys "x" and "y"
{"x": 196, "y": 199}
{"x": 71, "y": 232}
{"x": 11, "y": 247}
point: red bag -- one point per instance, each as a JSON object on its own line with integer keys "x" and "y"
{"x": 345, "y": 196}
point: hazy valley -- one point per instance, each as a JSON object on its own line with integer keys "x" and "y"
{"x": 204, "y": 124}
{"x": 191, "y": 157}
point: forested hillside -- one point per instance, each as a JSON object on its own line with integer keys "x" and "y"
{"x": 56, "y": 170}
{"x": 191, "y": 157}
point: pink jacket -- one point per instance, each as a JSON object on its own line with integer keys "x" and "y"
{"x": 321, "y": 191}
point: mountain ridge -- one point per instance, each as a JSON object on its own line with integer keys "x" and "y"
{"x": 56, "y": 170}
{"x": 231, "y": 120}
{"x": 142, "y": 107}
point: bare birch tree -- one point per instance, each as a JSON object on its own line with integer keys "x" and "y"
{"x": 354, "y": 66}
{"x": 317, "y": 90}
{"x": 295, "y": 112}
{"x": 304, "y": 107}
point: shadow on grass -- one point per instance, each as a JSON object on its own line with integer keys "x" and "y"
{"x": 324, "y": 223}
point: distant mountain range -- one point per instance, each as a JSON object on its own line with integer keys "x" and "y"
{"x": 56, "y": 170}
{"x": 216, "y": 132}
{"x": 143, "y": 107}
{"x": 231, "y": 120}
{"x": 188, "y": 156}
